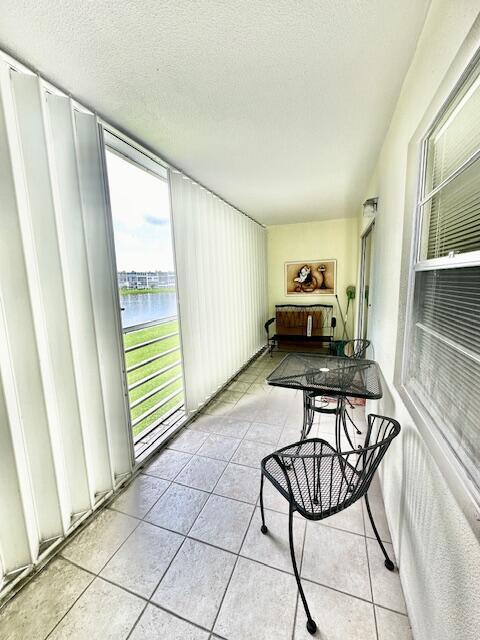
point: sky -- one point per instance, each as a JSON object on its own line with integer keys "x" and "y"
{"x": 141, "y": 217}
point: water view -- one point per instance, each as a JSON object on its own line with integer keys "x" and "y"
{"x": 144, "y": 307}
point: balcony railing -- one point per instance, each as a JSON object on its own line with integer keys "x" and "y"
{"x": 154, "y": 373}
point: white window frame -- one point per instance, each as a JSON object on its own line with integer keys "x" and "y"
{"x": 121, "y": 145}
{"x": 465, "y": 491}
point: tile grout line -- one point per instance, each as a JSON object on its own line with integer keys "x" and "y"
{"x": 233, "y": 569}
{"x": 370, "y": 574}
{"x": 300, "y": 573}
{"x": 188, "y": 536}
{"x": 136, "y": 595}
{"x": 137, "y": 621}
{"x": 209, "y": 544}
{"x": 70, "y": 607}
{"x": 96, "y": 575}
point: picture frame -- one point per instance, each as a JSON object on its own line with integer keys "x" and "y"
{"x": 311, "y": 277}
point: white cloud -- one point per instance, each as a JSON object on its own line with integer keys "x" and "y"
{"x": 141, "y": 217}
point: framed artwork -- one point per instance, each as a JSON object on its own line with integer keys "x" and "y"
{"x": 311, "y": 278}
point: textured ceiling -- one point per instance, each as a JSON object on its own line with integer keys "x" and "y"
{"x": 279, "y": 106}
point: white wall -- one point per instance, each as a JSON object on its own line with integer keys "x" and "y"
{"x": 435, "y": 544}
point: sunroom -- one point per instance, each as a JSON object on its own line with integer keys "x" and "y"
{"x": 240, "y": 320}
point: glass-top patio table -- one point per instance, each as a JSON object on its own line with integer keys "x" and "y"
{"x": 323, "y": 375}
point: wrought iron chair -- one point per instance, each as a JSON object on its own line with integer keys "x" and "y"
{"x": 319, "y": 481}
{"x": 355, "y": 350}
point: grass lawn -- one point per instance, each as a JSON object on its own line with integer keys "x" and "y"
{"x": 137, "y": 356}
{"x": 131, "y": 292}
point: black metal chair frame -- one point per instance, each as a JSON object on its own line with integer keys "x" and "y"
{"x": 324, "y": 481}
{"x": 359, "y": 348}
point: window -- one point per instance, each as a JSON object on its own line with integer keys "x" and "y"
{"x": 442, "y": 357}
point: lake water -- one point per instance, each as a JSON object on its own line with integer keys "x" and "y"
{"x": 144, "y": 307}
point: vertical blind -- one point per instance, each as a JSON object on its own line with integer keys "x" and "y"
{"x": 64, "y": 431}
{"x": 221, "y": 276}
{"x": 444, "y": 363}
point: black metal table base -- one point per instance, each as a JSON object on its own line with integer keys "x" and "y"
{"x": 341, "y": 415}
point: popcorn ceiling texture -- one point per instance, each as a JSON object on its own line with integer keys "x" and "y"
{"x": 280, "y": 106}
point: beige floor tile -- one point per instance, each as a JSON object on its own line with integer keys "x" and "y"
{"x": 188, "y": 441}
{"x": 142, "y": 560}
{"x": 239, "y": 482}
{"x": 204, "y": 423}
{"x": 230, "y": 396}
{"x": 273, "y": 548}
{"x": 271, "y": 413}
{"x": 392, "y": 626}
{"x": 247, "y": 376}
{"x": 195, "y": 582}
{"x": 336, "y": 559}
{"x": 201, "y": 473}
{"x": 219, "y": 447}
{"x": 247, "y": 407}
{"x": 156, "y": 624}
{"x": 140, "y": 495}
{"x": 259, "y": 604}
{"x": 103, "y": 612}
{"x": 178, "y": 508}
{"x": 387, "y": 589}
{"x": 218, "y": 408}
{"x": 266, "y": 433}
{"x": 168, "y": 464}
{"x": 223, "y": 523}
{"x": 239, "y": 386}
{"x": 93, "y": 547}
{"x": 251, "y": 453}
{"x": 40, "y": 605}
{"x": 258, "y": 387}
{"x": 273, "y": 499}
{"x": 338, "y": 616}
{"x": 350, "y": 519}
{"x": 231, "y": 427}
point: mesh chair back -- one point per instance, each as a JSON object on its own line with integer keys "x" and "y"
{"x": 321, "y": 481}
{"x": 356, "y": 348}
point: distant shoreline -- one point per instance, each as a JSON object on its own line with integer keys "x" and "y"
{"x": 130, "y": 292}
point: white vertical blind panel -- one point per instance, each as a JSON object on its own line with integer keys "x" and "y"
{"x": 17, "y": 268}
{"x": 64, "y": 431}
{"x": 89, "y": 440}
{"x": 220, "y": 257}
{"x": 19, "y": 528}
{"x": 103, "y": 287}
{"x": 14, "y": 543}
{"x": 50, "y": 307}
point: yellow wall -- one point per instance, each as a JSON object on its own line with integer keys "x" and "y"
{"x": 306, "y": 241}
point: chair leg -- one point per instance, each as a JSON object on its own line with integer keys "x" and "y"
{"x": 388, "y": 563}
{"x": 350, "y": 418}
{"x": 264, "y": 528}
{"x": 308, "y": 415}
{"x": 345, "y": 430}
{"x": 311, "y": 626}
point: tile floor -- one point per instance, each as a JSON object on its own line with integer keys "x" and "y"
{"x": 179, "y": 554}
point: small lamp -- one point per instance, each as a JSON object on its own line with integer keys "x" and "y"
{"x": 370, "y": 207}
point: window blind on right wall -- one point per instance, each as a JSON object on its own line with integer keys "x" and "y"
{"x": 443, "y": 347}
